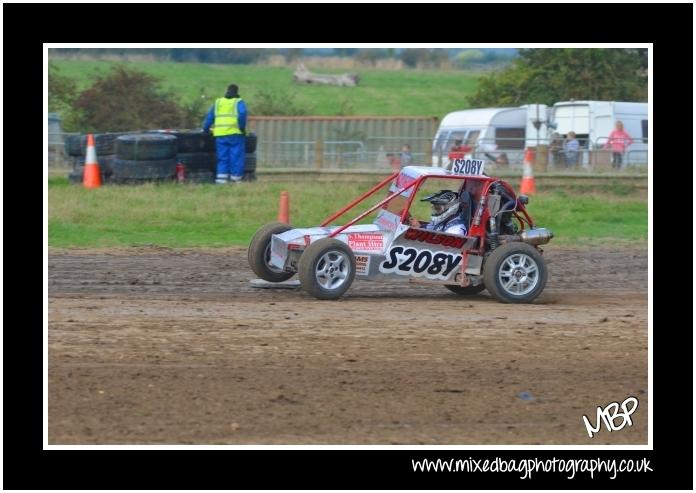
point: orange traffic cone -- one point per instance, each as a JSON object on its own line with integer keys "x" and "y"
{"x": 91, "y": 177}
{"x": 284, "y": 209}
{"x": 527, "y": 186}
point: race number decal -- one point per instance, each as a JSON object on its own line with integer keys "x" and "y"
{"x": 472, "y": 167}
{"x": 409, "y": 261}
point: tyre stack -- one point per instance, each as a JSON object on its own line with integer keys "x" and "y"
{"x": 196, "y": 151}
{"x": 144, "y": 158}
{"x": 250, "y": 158}
{"x": 76, "y": 149}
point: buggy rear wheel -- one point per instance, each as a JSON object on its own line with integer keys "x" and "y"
{"x": 515, "y": 273}
{"x": 260, "y": 253}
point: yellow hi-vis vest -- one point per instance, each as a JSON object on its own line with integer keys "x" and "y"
{"x": 226, "y": 117}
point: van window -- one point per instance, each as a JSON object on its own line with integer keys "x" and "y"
{"x": 509, "y": 138}
{"x": 456, "y": 135}
{"x": 472, "y": 137}
{"x": 644, "y": 127}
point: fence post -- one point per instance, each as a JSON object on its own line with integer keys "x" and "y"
{"x": 428, "y": 154}
{"x": 318, "y": 154}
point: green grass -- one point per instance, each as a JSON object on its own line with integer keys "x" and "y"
{"x": 380, "y": 92}
{"x": 215, "y": 216}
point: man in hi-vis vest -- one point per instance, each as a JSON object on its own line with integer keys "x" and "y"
{"x": 228, "y": 118}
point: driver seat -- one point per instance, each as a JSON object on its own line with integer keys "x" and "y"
{"x": 467, "y": 208}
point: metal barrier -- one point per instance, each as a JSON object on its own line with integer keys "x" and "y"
{"x": 384, "y": 153}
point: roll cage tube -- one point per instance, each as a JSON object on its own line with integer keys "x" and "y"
{"x": 355, "y": 202}
{"x": 374, "y": 207}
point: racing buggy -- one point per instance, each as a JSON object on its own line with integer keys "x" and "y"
{"x": 499, "y": 251}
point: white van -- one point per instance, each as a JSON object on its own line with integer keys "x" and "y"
{"x": 593, "y": 121}
{"x": 492, "y": 131}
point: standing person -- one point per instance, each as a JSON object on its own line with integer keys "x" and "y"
{"x": 571, "y": 146}
{"x": 394, "y": 162}
{"x": 228, "y": 117}
{"x": 619, "y": 140}
{"x": 406, "y": 156}
{"x": 458, "y": 150}
{"x": 556, "y": 149}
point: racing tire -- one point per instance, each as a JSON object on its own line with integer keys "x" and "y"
{"x": 250, "y": 143}
{"x": 104, "y": 144}
{"x": 259, "y": 254}
{"x": 249, "y": 176}
{"x": 129, "y": 171}
{"x": 146, "y": 147}
{"x": 327, "y": 269}
{"x": 189, "y": 141}
{"x": 515, "y": 273}
{"x": 465, "y": 290}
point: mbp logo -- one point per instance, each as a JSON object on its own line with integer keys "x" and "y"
{"x": 609, "y": 415}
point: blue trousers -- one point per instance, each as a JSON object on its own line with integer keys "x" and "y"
{"x": 230, "y": 155}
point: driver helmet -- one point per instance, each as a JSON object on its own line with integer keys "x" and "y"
{"x": 444, "y": 204}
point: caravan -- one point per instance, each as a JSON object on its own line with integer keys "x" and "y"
{"x": 495, "y": 133}
{"x": 593, "y": 121}
{"x": 492, "y": 132}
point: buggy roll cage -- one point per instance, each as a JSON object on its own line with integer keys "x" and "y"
{"x": 478, "y": 221}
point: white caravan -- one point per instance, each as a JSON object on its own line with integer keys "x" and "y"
{"x": 492, "y": 131}
{"x": 593, "y": 121}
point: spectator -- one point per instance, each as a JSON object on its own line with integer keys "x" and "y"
{"x": 458, "y": 150}
{"x": 228, "y": 119}
{"x": 406, "y": 156}
{"x": 394, "y": 162}
{"x": 571, "y": 148}
{"x": 619, "y": 140}
{"x": 556, "y": 150}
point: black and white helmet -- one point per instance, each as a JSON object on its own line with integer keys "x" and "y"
{"x": 445, "y": 204}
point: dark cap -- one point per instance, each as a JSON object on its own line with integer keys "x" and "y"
{"x": 232, "y": 90}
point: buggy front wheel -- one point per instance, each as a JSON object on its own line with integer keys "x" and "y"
{"x": 327, "y": 269}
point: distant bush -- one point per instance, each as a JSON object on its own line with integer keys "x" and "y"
{"x": 268, "y": 103}
{"x": 127, "y": 99}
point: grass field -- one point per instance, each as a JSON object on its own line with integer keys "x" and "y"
{"x": 217, "y": 216}
{"x": 380, "y": 92}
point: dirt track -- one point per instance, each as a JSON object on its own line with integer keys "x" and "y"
{"x": 167, "y": 346}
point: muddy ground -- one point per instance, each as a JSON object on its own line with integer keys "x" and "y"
{"x": 160, "y": 346}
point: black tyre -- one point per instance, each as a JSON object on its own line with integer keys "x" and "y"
{"x": 466, "y": 290}
{"x": 515, "y": 273}
{"x": 259, "y": 254}
{"x": 250, "y": 143}
{"x": 104, "y": 144}
{"x": 250, "y": 163}
{"x": 197, "y": 161}
{"x": 129, "y": 171}
{"x": 188, "y": 141}
{"x": 249, "y": 176}
{"x": 146, "y": 147}
{"x": 327, "y": 269}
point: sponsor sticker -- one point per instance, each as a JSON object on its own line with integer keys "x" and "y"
{"x": 362, "y": 264}
{"x": 434, "y": 238}
{"x": 471, "y": 167}
{"x": 366, "y": 242}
